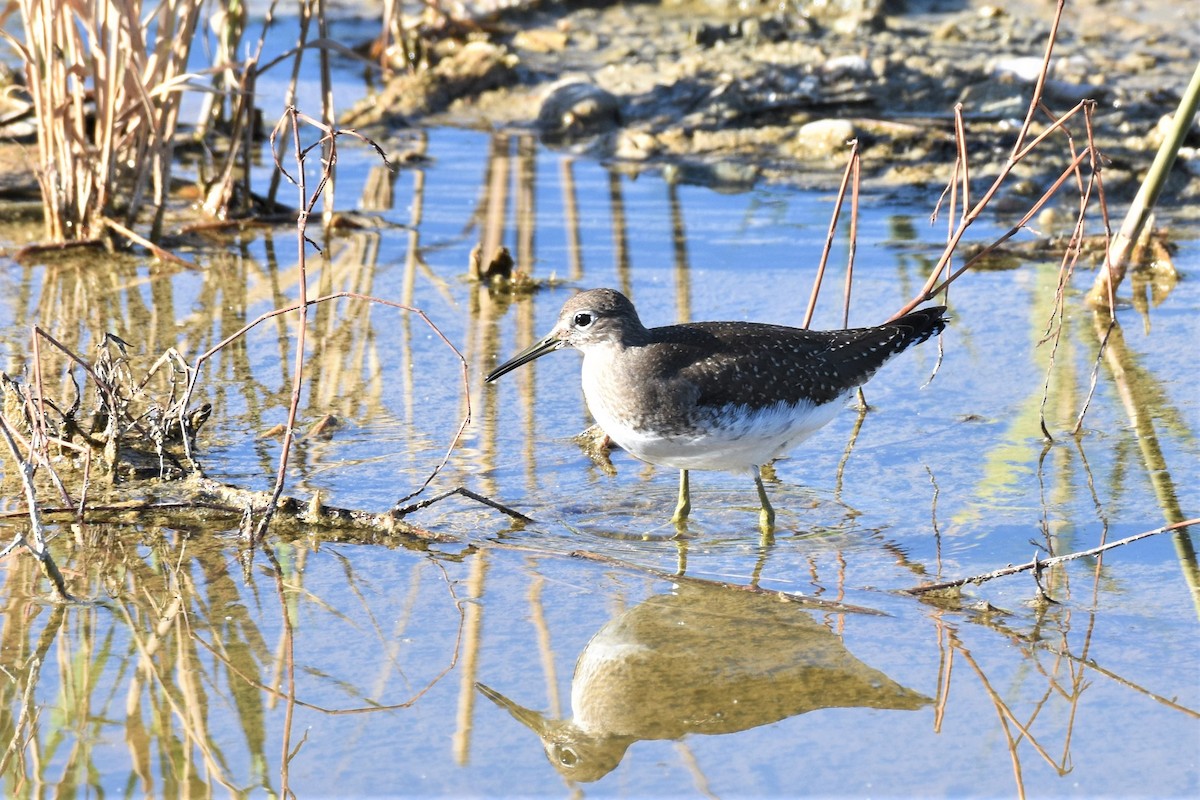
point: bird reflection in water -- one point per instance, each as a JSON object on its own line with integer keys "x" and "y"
{"x": 702, "y": 659}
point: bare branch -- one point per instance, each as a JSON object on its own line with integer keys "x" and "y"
{"x": 1039, "y": 564}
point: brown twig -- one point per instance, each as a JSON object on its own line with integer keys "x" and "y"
{"x": 833, "y": 222}
{"x": 399, "y": 511}
{"x": 37, "y": 539}
{"x": 1071, "y": 254}
{"x": 161, "y": 253}
{"x": 1038, "y": 564}
{"x": 934, "y": 287}
{"x": 327, "y": 141}
{"x": 1020, "y": 149}
{"x": 307, "y": 204}
{"x": 852, "y": 245}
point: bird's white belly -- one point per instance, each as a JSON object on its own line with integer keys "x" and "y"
{"x": 739, "y": 441}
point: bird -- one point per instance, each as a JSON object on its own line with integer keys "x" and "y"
{"x": 704, "y": 659}
{"x": 727, "y": 396}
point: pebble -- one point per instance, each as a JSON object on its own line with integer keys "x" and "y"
{"x": 576, "y": 108}
{"x": 1023, "y": 68}
{"x": 825, "y": 136}
{"x": 850, "y": 66}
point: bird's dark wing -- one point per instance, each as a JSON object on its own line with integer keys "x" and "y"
{"x": 760, "y": 365}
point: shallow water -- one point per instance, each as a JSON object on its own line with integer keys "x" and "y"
{"x": 352, "y": 669}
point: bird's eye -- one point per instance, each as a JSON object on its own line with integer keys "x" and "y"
{"x": 567, "y": 757}
{"x": 582, "y": 319}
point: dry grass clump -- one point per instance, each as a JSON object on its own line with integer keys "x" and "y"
{"x": 106, "y": 80}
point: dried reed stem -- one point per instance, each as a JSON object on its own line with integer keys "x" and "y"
{"x": 1119, "y": 251}
{"x": 1020, "y": 149}
{"x": 106, "y": 97}
{"x": 36, "y": 541}
{"x": 851, "y": 171}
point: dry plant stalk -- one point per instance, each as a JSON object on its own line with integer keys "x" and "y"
{"x": 107, "y": 103}
{"x": 36, "y": 541}
{"x": 958, "y": 194}
{"x": 127, "y": 418}
{"x": 1122, "y": 246}
{"x": 962, "y": 212}
{"x": 853, "y": 171}
{"x": 1038, "y": 564}
{"x": 1021, "y": 149}
{"x": 293, "y": 120}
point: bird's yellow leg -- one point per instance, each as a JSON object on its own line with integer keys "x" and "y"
{"x": 684, "y": 506}
{"x": 766, "y": 515}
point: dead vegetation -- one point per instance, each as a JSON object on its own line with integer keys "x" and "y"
{"x": 106, "y": 81}
{"x": 101, "y": 443}
{"x": 125, "y": 423}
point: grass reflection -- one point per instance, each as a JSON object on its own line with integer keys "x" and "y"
{"x": 196, "y": 670}
{"x": 191, "y": 672}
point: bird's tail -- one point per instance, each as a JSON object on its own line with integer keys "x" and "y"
{"x": 862, "y": 351}
{"x": 917, "y": 326}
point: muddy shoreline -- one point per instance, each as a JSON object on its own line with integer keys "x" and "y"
{"x": 728, "y": 93}
{"x": 731, "y": 93}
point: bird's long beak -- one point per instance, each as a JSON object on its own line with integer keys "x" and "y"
{"x": 529, "y": 718}
{"x": 547, "y": 345}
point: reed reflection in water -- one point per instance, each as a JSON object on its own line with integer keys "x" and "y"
{"x": 184, "y": 679}
{"x": 198, "y": 676}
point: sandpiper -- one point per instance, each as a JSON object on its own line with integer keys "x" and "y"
{"x": 726, "y": 396}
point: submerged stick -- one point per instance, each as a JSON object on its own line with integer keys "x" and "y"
{"x": 161, "y": 253}
{"x": 399, "y": 511}
{"x": 1038, "y": 564}
{"x": 37, "y": 531}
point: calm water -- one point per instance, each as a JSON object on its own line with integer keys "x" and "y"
{"x": 352, "y": 669}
